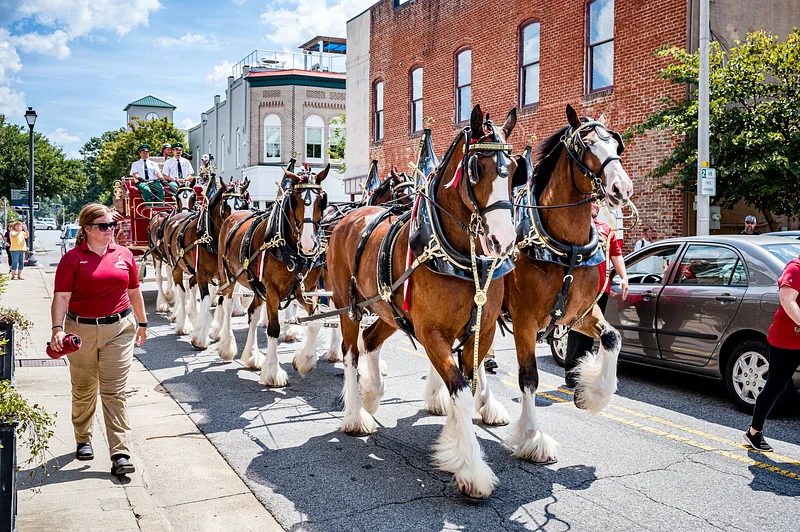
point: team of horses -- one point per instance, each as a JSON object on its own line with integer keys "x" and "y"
{"x": 484, "y": 235}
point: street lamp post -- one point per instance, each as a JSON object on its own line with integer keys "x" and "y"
{"x": 30, "y": 118}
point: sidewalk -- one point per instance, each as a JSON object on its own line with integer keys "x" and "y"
{"x": 181, "y": 481}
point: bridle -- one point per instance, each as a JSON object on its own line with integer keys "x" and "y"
{"x": 576, "y": 150}
{"x": 310, "y": 194}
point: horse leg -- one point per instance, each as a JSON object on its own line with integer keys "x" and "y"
{"x": 596, "y": 375}
{"x": 527, "y": 440}
{"x": 437, "y": 400}
{"x": 293, "y": 333}
{"x": 492, "y": 412}
{"x": 251, "y": 356}
{"x": 176, "y": 281}
{"x": 305, "y": 358}
{"x": 238, "y": 308}
{"x": 334, "y": 353}
{"x": 216, "y": 323}
{"x": 227, "y": 341}
{"x": 161, "y": 301}
{"x": 191, "y": 304}
{"x": 202, "y": 321}
{"x": 169, "y": 289}
{"x": 457, "y": 450}
{"x": 369, "y": 345}
{"x": 271, "y": 372}
{"x": 355, "y": 419}
{"x": 182, "y": 324}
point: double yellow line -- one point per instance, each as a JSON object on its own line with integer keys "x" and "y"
{"x": 617, "y": 409}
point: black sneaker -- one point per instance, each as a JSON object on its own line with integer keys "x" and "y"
{"x": 757, "y": 442}
{"x": 121, "y": 465}
{"x": 490, "y": 365}
{"x": 84, "y": 451}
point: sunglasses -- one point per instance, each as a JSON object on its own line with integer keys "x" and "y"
{"x": 105, "y": 226}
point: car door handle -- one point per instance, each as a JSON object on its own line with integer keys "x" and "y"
{"x": 726, "y": 297}
{"x": 647, "y": 296}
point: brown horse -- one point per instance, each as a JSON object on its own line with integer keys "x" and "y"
{"x": 579, "y": 163}
{"x": 191, "y": 240}
{"x": 272, "y": 253}
{"x": 465, "y": 206}
{"x": 185, "y": 200}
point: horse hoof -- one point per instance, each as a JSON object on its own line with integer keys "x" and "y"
{"x": 198, "y": 347}
{"x": 471, "y": 492}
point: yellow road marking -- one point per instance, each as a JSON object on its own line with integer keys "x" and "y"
{"x": 664, "y": 434}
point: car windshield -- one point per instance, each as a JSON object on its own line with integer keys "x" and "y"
{"x": 73, "y": 232}
{"x": 785, "y": 252}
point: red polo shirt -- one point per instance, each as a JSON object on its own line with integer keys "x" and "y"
{"x": 614, "y": 249}
{"x": 781, "y": 331}
{"x": 99, "y": 284}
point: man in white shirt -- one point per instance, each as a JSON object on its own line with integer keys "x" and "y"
{"x": 177, "y": 168}
{"x": 646, "y": 240}
{"x": 147, "y": 176}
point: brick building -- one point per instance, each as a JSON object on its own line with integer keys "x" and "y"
{"x": 410, "y": 61}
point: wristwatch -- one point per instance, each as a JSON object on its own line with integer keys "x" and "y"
{"x": 142, "y": 324}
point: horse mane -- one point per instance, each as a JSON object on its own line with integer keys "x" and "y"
{"x": 548, "y": 156}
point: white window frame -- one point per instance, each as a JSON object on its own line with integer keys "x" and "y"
{"x": 272, "y": 122}
{"x": 377, "y": 111}
{"x": 529, "y": 65}
{"x": 463, "y": 85}
{"x": 592, "y": 45}
{"x": 415, "y": 100}
{"x": 314, "y": 122}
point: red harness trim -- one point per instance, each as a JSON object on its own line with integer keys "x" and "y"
{"x": 409, "y": 260}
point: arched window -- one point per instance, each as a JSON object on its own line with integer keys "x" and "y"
{"x": 377, "y": 111}
{"x": 222, "y": 153}
{"x": 416, "y": 100}
{"x": 601, "y": 44}
{"x": 529, "y": 64}
{"x": 238, "y": 147}
{"x": 314, "y": 138}
{"x": 463, "y": 85}
{"x": 272, "y": 138}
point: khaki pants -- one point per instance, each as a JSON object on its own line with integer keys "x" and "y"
{"x": 104, "y": 359}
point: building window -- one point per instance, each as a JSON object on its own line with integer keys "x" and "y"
{"x": 398, "y": 3}
{"x": 529, "y": 69}
{"x": 238, "y": 147}
{"x": 601, "y": 44}
{"x": 210, "y": 149}
{"x": 222, "y": 152}
{"x": 314, "y": 128}
{"x": 416, "y": 100}
{"x": 463, "y": 85}
{"x": 272, "y": 138}
{"x": 377, "y": 111}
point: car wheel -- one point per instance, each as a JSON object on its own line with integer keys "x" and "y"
{"x": 558, "y": 344}
{"x": 746, "y": 373}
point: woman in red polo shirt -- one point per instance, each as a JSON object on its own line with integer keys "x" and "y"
{"x": 96, "y": 285}
{"x": 783, "y": 338}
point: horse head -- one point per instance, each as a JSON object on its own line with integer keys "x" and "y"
{"x": 306, "y": 203}
{"x": 595, "y": 150}
{"x": 231, "y": 196}
{"x": 483, "y": 180}
{"x": 185, "y": 196}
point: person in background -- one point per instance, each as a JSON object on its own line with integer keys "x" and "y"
{"x": 178, "y": 168}
{"x": 18, "y": 238}
{"x": 648, "y": 237}
{"x": 750, "y": 226}
{"x": 166, "y": 150}
{"x": 97, "y": 297}
{"x": 7, "y": 244}
{"x": 783, "y": 338}
{"x": 3, "y": 243}
{"x": 147, "y": 176}
{"x": 578, "y": 344}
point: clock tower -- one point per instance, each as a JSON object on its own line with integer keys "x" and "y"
{"x": 149, "y": 108}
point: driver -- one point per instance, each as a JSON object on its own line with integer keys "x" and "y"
{"x": 178, "y": 168}
{"x": 147, "y": 176}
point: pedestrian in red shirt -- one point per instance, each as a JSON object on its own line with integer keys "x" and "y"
{"x": 578, "y": 344}
{"x": 783, "y": 338}
{"x": 96, "y": 285}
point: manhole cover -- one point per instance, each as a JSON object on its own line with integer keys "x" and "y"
{"x": 41, "y": 362}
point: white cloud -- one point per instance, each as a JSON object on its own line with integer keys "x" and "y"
{"x": 12, "y": 103}
{"x": 239, "y": 2}
{"x": 296, "y": 21}
{"x": 188, "y": 40}
{"x": 220, "y": 72}
{"x": 61, "y": 136}
{"x": 187, "y": 123}
{"x": 80, "y": 17}
{"x": 54, "y": 45}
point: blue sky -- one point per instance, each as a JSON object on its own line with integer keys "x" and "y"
{"x": 79, "y": 62}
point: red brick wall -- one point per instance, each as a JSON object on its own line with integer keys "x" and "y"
{"x": 429, "y": 32}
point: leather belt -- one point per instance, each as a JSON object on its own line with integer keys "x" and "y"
{"x": 104, "y": 320}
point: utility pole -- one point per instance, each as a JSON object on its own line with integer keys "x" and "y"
{"x": 703, "y": 200}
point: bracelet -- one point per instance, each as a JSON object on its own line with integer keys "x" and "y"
{"x": 56, "y": 327}
{"x": 142, "y": 324}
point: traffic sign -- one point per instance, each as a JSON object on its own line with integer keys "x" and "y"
{"x": 19, "y": 196}
{"x": 708, "y": 182}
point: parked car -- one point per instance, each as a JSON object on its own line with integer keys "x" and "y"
{"x": 701, "y": 305}
{"x": 68, "y": 235}
{"x": 45, "y": 223}
{"x": 787, "y": 234}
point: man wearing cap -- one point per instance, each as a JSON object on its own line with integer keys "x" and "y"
{"x": 177, "y": 168}
{"x": 147, "y": 176}
{"x": 166, "y": 150}
{"x": 750, "y": 226}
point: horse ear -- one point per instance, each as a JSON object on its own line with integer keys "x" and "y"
{"x": 511, "y": 121}
{"x": 291, "y": 176}
{"x": 620, "y": 144}
{"x": 395, "y": 177}
{"x": 245, "y": 184}
{"x": 572, "y": 117}
{"x": 323, "y": 174}
{"x": 476, "y": 122}
{"x": 603, "y": 119}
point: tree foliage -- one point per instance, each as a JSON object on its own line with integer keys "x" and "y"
{"x": 53, "y": 173}
{"x": 119, "y": 148}
{"x": 755, "y": 124}
{"x": 338, "y": 141}
{"x": 91, "y": 155}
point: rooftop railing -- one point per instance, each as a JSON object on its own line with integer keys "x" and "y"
{"x": 266, "y": 60}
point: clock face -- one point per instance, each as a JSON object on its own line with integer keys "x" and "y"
{"x": 151, "y": 116}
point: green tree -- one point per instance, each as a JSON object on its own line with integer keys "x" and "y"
{"x": 54, "y": 173}
{"x": 755, "y": 124}
{"x": 120, "y": 150}
{"x": 337, "y": 142}
{"x": 91, "y": 154}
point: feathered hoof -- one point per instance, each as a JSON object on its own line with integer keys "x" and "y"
{"x": 255, "y": 361}
{"x": 479, "y": 485}
{"x": 198, "y": 344}
{"x": 358, "y": 424}
{"x": 333, "y": 356}
{"x": 438, "y": 404}
{"x": 279, "y": 380}
{"x": 538, "y": 448}
{"x": 303, "y": 364}
{"x": 163, "y": 307}
{"x": 183, "y": 331}
{"x": 494, "y": 414}
{"x": 292, "y": 335}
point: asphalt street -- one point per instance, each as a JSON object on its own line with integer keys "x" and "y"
{"x": 666, "y": 454}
